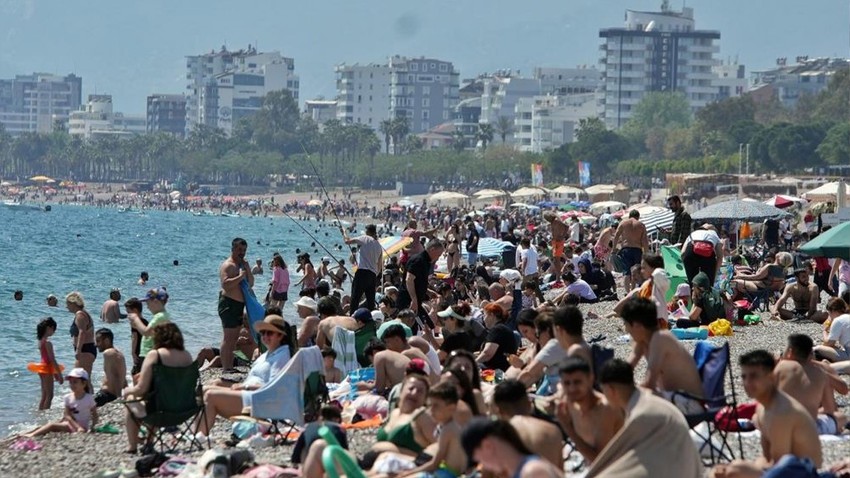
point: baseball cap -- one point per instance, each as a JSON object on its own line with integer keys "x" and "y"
{"x": 362, "y": 315}
{"x": 390, "y": 289}
{"x": 683, "y": 290}
{"x": 307, "y": 302}
{"x": 326, "y": 259}
{"x": 510, "y": 275}
{"x": 450, "y": 312}
{"x": 377, "y": 315}
{"x": 78, "y": 373}
{"x": 159, "y": 294}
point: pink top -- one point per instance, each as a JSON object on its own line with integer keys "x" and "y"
{"x": 280, "y": 279}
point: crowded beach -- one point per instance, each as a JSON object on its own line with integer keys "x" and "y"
{"x": 562, "y": 337}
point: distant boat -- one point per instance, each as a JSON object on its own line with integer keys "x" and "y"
{"x": 230, "y": 214}
{"x": 197, "y": 213}
{"x": 19, "y": 206}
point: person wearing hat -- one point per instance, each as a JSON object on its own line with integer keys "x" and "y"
{"x": 52, "y": 301}
{"x": 369, "y": 261}
{"x": 702, "y": 251}
{"x": 708, "y": 304}
{"x": 111, "y": 310}
{"x": 683, "y": 295}
{"x": 459, "y": 330}
{"x": 498, "y": 448}
{"x": 155, "y": 300}
{"x": 306, "y": 308}
{"x": 80, "y": 409}
{"x": 228, "y": 402}
{"x": 806, "y": 297}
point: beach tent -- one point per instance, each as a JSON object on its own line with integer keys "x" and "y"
{"x": 447, "y": 196}
{"x": 600, "y": 189}
{"x": 826, "y": 193}
{"x": 489, "y": 193}
{"x": 832, "y": 243}
{"x": 530, "y": 191}
{"x": 674, "y": 267}
{"x": 571, "y": 190}
{"x": 604, "y": 206}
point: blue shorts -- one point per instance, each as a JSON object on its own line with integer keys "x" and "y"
{"x": 631, "y": 257}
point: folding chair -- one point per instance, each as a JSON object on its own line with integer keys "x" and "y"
{"x": 176, "y": 400}
{"x": 295, "y": 396}
{"x": 362, "y": 337}
{"x": 713, "y": 364}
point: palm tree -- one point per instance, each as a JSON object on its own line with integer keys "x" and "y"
{"x": 485, "y": 134}
{"x": 401, "y": 128}
{"x": 458, "y": 140}
{"x": 504, "y": 127}
{"x": 386, "y": 128}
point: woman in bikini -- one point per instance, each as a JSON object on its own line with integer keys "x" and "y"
{"x": 453, "y": 239}
{"x": 82, "y": 333}
{"x": 306, "y": 267}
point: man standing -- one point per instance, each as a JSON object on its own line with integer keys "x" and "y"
{"x": 575, "y": 231}
{"x": 419, "y": 268}
{"x": 231, "y": 300}
{"x": 632, "y": 240}
{"x": 681, "y": 221}
{"x": 472, "y": 239}
{"x": 134, "y": 314}
{"x": 114, "y": 368}
{"x": 111, "y": 311}
{"x": 559, "y": 237}
{"x": 368, "y": 267}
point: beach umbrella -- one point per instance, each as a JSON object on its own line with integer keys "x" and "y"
{"x": 393, "y": 244}
{"x": 396, "y": 209}
{"x": 523, "y": 205}
{"x": 568, "y": 190}
{"x": 314, "y": 202}
{"x": 489, "y": 193}
{"x": 5, "y": 183}
{"x": 660, "y": 219}
{"x": 547, "y": 204}
{"x": 529, "y": 191}
{"x": 600, "y": 189}
{"x": 494, "y": 207}
{"x": 782, "y": 201}
{"x": 406, "y": 202}
{"x": 738, "y": 210}
{"x": 40, "y": 179}
{"x": 489, "y": 247}
{"x": 447, "y": 196}
{"x": 832, "y": 243}
{"x": 604, "y": 206}
{"x": 826, "y": 193}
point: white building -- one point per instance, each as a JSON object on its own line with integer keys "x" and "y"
{"x": 546, "y": 122}
{"x": 36, "y": 103}
{"x": 425, "y": 90}
{"x": 226, "y": 86}
{"x": 656, "y": 51}
{"x": 731, "y": 80}
{"x": 98, "y": 119}
{"x": 363, "y": 94}
{"x": 788, "y": 82}
{"x": 320, "y": 111}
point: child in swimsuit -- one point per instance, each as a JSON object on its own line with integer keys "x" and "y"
{"x": 48, "y": 370}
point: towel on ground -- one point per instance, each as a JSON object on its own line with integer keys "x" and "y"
{"x": 346, "y": 353}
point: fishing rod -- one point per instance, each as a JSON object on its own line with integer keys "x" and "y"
{"x": 318, "y": 242}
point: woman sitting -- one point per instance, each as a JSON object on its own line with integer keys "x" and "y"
{"x": 467, "y": 407}
{"x": 770, "y": 276}
{"x": 169, "y": 351}
{"x": 459, "y": 330}
{"x": 500, "y": 341}
{"x": 228, "y": 402}
{"x": 464, "y": 361}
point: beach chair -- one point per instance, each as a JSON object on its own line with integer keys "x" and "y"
{"x": 295, "y": 396}
{"x": 713, "y": 364}
{"x": 176, "y": 400}
{"x": 362, "y": 337}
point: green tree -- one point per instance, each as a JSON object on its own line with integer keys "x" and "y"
{"x": 835, "y": 148}
{"x": 598, "y": 146}
{"x": 658, "y": 110}
{"x": 504, "y": 127}
{"x": 486, "y": 132}
{"x": 458, "y": 141}
{"x": 720, "y": 115}
{"x": 386, "y": 128}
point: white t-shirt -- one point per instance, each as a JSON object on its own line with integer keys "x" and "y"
{"x": 80, "y": 409}
{"x": 551, "y": 356}
{"x": 704, "y": 235}
{"x": 839, "y": 331}
{"x": 581, "y": 289}
{"x": 513, "y": 277}
{"x": 575, "y": 232}
{"x": 530, "y": 257}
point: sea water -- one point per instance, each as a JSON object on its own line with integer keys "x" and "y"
{"x": 92, "y": 250}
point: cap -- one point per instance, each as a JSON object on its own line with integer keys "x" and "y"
{"x": 683, "y": 290}
{"x": 800, "y": 270}
{"x": 326, "y": 259}
{"x": 701, "y": 280}
{"x": 159, "y": 294}
{"x": 510, "y": 275}
{"x": 377, "y": 315}
{"x": 362, "y": 315}
{"x": 307, "y": 302}
{"x": 450, "y": 312}
{"x": 275, "y": 323}
{"x": 390, "y": 289}
{"x": 415, "y": 365}
{"x": 78, "y": 373}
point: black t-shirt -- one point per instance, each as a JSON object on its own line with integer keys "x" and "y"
{"x": 420, "y": 266}
{"x": 457, "y": 341}
{"x": 771, "y": 231}
{"x": 472, "y": 241}
{"x": 311, "y": 434}
{"x": 502, "y": 336}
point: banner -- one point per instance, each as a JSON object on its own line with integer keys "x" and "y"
{"x": 583, "y": 174}
{"x": 537, "y": 175}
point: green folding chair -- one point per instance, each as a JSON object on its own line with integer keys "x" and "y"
{"x": 362, "y": 337}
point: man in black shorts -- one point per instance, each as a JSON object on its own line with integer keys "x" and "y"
{"x": 114, "y": 368}
{"x": 231, "y": 301}
{"x": 632, "y": 240}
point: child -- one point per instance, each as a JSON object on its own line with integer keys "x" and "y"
{"x": 332, "y": 374}
{"x": 447, "y": 459}
{"x": 80, "y": 410}
{"x": 683, "y": 294}
{"x": 47, "y": 370}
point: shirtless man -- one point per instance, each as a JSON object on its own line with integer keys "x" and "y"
{"x": 569, "y": 322}
{"x": 805, "y": 295}
{"x": 499, "y": 296}
{"x": 328, "y": 322}
{"x": 114, "y": 368}
{"x": 231, "y": 301}
{"x": 512, "y": 404}
{"x": 395, "y": 338}
{"x": 585, "y": 415}
{"x": 559, "y": 232}
{"x": 786, "y": 426}
{"x": 631, "y": 240}
{"x": 670, "y": 368}
{"x": 806, "y": 381}
{"x": 111, "y": 311}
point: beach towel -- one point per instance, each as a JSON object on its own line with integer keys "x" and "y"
{"x": 654, "y": 432}
{"x": 255, "y": 310}
{"x": 346, "y": 354}
{"x": 283, "y": 397}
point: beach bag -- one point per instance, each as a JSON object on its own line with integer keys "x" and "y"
{"x": 244, "y": 429}
{"x": 720, "y": 328}
{"x": 738, "y": 419}
{"x": 703, "y": 248}
{"x": 148, "y": 465}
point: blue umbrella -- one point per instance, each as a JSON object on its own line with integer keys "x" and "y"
{"x": 547, "y": 204}
{"x": 737, "y": 210}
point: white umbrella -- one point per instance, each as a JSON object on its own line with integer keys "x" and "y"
{"x": 5, "y": 183}
{"x": 492, "y": 193}
{"x": 568, "y": 190}
{"x": 600, "y": 189}
{"x": 406, "y": 202}
{"x": 524, "y": 206}
{"x": 826, "y": 193}
{"x": 447, "y": 196}
{"x": 604, "y": 206}
{"x": 174, "y": 194}
{"x": 530, "y": 191}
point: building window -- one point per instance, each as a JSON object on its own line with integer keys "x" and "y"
{"x": 445, "y": 115}
{"x": 426, "y": 90}
{"x": 414, "y": 67}
{"x": 426, "y": 102}
{"x": 425, "y": 114}
{"x": 433, "y": 66}
{"x": 444, "y": 67}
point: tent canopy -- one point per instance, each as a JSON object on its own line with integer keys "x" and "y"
{"x": 447, "y": 196}
{"x": 827, "y": 193}
{"x": 568, "y": 190}
{"x": 530, "y": 191}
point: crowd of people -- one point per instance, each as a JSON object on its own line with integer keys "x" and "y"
{"x": 458, "y": 344}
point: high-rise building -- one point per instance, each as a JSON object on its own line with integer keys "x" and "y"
{"x": 225, "y": 86}
{"x": 37, "y": 103}
{"x": 363, "y": 94}
{"x": 656, "y": 51}
{"x": 98, "y": 119}
{"x": 424, "y": 90}
{"x": 167, "y": 114}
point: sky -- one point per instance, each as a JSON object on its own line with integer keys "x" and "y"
{"x": 131, "y": 49}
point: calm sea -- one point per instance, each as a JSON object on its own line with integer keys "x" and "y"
{"x": 92, "y": 250}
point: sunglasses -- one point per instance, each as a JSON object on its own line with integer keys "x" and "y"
{"x": 269, "y": 332}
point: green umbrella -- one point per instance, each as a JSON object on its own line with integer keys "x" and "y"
{"x": 832, "y": 243}
{"x": 567, "y": 207}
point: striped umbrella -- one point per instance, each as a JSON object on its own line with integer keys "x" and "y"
{"x": 393, "y": 244}
{"x": 489, "y": 247}
{"x": 660, "y": 219}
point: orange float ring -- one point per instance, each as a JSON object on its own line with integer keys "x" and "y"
{"x": 43, "y": 368}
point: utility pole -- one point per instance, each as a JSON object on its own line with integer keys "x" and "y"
{"x": 748, "y": 159}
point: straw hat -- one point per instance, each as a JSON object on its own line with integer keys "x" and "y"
{"x": 275, "y": 323}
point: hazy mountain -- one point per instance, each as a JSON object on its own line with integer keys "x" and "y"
{"x": 132, "y": 49}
